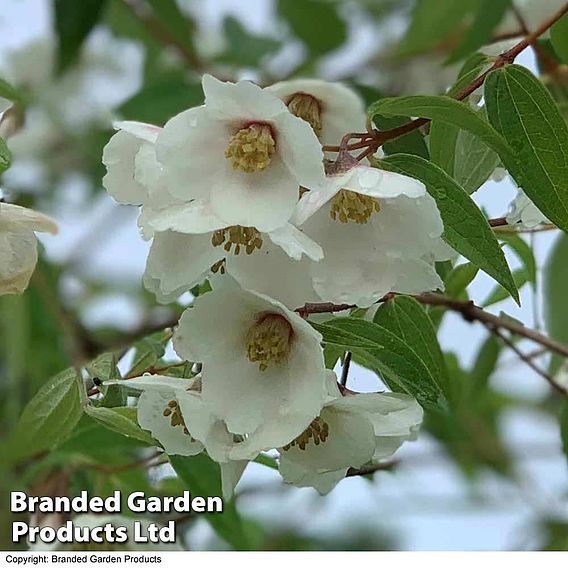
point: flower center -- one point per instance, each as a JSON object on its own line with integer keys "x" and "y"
{"x": 351, "y": 206}
{"x": 251, "y": 149}
{"x": 247, "y": 237}
{"x": 174, "y": 412}
{"x": 269, "y": 341}
{"x": 307, "y": 108}
{"x": 317, "y": 431}
{"x": 219, "y": 266}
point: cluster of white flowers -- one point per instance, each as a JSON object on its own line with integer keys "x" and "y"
{"x": 18, "y": 245}
{"x": 241, "y": 191}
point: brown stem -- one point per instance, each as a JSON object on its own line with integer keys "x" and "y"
{"x": 345, "y": 369}
{"x": 469, "y": 311}
{"x": 145, "y": 15}
{"x": 506, "y": 58}
{"x": 528, "y": 361}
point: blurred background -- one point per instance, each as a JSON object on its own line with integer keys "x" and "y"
{"x": 496, "y": 479}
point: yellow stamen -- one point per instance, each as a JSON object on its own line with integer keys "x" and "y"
{"x": 351, "y": 206}
{"x": 247, "y": 237}
{"x": 317, "y": 431}
{"x": 251, "y": 149}
{"x": 307, "y": 108}
{"x": 219, "y": 266}
{"x": 269, "y": 341}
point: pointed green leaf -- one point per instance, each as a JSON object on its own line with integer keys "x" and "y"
{"x": 399, "y": 365}
{"x": 523, "y": 111}
{"x": 559, "y": 38}
{"x": 122, "y": 420}
{"x": 408, "y": 320}
{"x": 49, "y": 417}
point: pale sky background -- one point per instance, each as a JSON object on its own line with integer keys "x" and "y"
{"x": 426, "y": 504}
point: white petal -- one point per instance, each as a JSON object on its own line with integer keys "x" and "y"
{"x": 24, "y": 218}
{"x": 272, "y": 272}
{"x": 299, "y": 476}
{"x": 416, "y": 276}
{"x": 151, "y": 406}
{"x": 265, "y": 199}
{"x": 192, "y": 218}
{"x": 295, "y": 243}
{"x": 300, "y": 150}
{"x": 231, "y": 473}
{"x": 191, "y": 148}
{"x": 18, "y": 258}
{"x": 342, "y": 109}
{"x": 119, "y": 158}
{"x": 523, "y": 211}
{"x": 142, "y": 130}
{"x": 177, "y": 262}
{"x": 160, "y": 383}
{"x": 242, "y": 101}
{"x": 380, "y": 183}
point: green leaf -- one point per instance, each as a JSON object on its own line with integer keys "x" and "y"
{"x": 161, "y": 99}
{"x": 465, "y": 227}
{"x": 147, "y": 352}
{"x": 408, "y": 320}
{"x": 442, "y": 141}
{"x": 121, "y": 420}
{"x": 244, "y": 48}
{"x": 498, "y": 294}
{"x": 49, "y": 417}
{"x": 488, "y": 16}
{"x": 486, "y": 361}
{"x": 399, "y": 365}
{"x": 433, "y": 22}
{"x": 167, "y": 12}
{"x": 472, "y": 68}
{"x": 524, "y": 253}
{"x": 523, "y": 111}
{"x": 474, "y": 162}
{"x": 459, "y": 279}
{"x": 73, "y": 22}
{"x": 9, "y": 92}
{"x": 316, "y": 22}
{"x": 559, "y": 38}
{"x": 202, "y": 476}
{"x": 5, "y": 156}
{"x": 555, "y": 284}
{"x": 450, "y": 111}
{"x": 411, "y": 143}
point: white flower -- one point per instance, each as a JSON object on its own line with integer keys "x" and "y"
{"x": 263, "y": 262}
{"x": 524, "y": 212}
{"x": 242, "y": 153}
{"x": 350, "y": 431}
{"x": 5, "y": 104}
{"x": 171, "y": 410}
{"x": 18, "y": 245}
{"x": 263, "y": 370}
{"x": 331, "y": 109}
{"x": 380, "y": 232}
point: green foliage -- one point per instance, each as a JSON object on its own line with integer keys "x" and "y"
{"x": 433, "y": 22}
{"x": 465, "y": 227}
{"x": 49, "y": 417}
{"x": 487, "y": 17}
{"x": 73, "y": 22}
{"x": 202, "y": 476}
{"x": 9, "y": 92}
{"x": 408, "y": 320}
{"x": 411, "y": 143}
{"x": 121, "y": 420}
{"x": 559, "y": 38}
{"x": 162, "y": 98}
{"x": 522, "y": 110}
{"x": 555, "y": 284}
{"x": 148, "y": 351}
{"x": 381, "y": 350}
{"x": 5, "y": 156}
{"x": 486, "y": 361}
{"x": 244, "y": 48}
{"x": 309, "y": 19}
{"x": 449, "y": 111}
